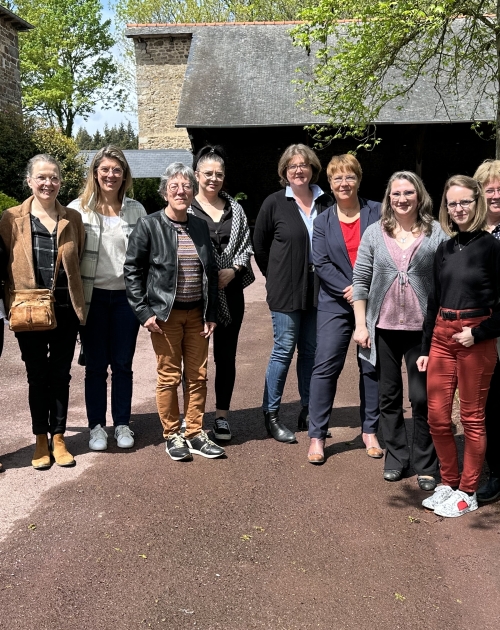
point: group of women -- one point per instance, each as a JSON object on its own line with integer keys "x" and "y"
{"x": 403, "y": 286}
{"x": 387, "y": 274}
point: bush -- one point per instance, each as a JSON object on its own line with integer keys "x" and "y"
{"x": 145, "y": 190}
{"x": 7, "y": 202}
{"x": 65, "y": 151}
{"x": 16, "y": 148}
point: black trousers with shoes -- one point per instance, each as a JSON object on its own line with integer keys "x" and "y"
{"x": 392, "y": 347}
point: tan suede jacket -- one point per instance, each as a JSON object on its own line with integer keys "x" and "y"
{"x": 15, "y": 230}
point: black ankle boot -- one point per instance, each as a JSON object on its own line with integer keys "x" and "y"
{"x": 303, "y": 419}
{"x": 277, "y": 430}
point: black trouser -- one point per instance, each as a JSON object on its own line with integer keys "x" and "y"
{"x": 47, "y": 356}
{"x": 225, "y": 346}
{"x": 392, "y": 346}
{"x": 492, "y": 421}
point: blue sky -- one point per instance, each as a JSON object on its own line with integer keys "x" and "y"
{"x": 100, "y": 117}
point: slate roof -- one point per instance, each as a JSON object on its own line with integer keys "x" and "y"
{"x": 18, "y": 23}
{"x": 149, "y": 162}
{"x": 241, "y": 75}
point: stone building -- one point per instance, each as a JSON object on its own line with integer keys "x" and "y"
{"x": 10, "y": 81}
{"x": 233, "y": 84}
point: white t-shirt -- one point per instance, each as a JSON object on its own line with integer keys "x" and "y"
{"x": 112, "y": 250}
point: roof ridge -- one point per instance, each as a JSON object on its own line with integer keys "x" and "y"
{"x": 175, "y": 24}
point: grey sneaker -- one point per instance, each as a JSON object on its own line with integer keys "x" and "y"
{"x": 202, "y": 445}
{"x": 441, "y": 493}
{"x": 98, "y": 439}
{"x": 457, "y": 504}
{"x": 124, "y": 436}
{"x": 221, "y": 429}
{"x": 177, "y": 448}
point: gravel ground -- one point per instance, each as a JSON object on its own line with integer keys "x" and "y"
{"x": 260, "y": 539}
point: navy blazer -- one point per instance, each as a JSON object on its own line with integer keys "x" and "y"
{"x": 330, "y": 257}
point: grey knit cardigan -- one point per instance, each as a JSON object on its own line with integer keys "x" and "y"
{"x": 375, "y": 271}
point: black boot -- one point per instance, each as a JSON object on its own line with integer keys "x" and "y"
{"x": 277, "y": 430}
{"x": 303, "y": 419}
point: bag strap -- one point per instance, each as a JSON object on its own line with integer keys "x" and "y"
{"x": 58, "y": 264}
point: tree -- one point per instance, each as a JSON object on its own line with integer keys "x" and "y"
{"x": 142, "y": 11}
{"x": 67, "y": 66}
{"x": 377, "y": 57}
{"x": 16, "y": 148}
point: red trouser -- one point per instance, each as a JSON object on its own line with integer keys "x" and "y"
{"x": 452, "y": 364}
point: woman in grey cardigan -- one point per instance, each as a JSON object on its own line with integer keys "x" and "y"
{"x": 391, "y": 281}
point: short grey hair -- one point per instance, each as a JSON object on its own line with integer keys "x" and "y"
{"x": 177, "y": 168}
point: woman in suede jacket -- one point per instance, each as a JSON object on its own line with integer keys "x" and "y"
{"x": 33, "y": 234}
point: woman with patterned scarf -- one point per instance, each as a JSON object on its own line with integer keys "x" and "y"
{"x": 233, "y": 251}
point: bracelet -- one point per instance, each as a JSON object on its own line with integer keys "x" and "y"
{"x": 235, "y": 269}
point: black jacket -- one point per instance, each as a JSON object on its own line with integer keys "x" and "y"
{"x": 151, "y": 266}
{"x": 282, "y": 245}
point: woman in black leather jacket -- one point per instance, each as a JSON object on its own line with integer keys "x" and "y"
{"x": 171, "y": 281}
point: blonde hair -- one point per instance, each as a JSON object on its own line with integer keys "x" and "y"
{"x": 487, "y": 172}
{"x": 309, "y": 157}
{"x": 424, "y": 218}
{"x": 91, "y": 189}
{"x": 479, "y": 221}
{"x": 343, "y": 163}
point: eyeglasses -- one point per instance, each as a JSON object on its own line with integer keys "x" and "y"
{"x": 184, "y": 187}
{"x": 55, "y": 181}
{"x": 211, "y": 175}
{"x": 491, "y": 191}
{"x": 293, "y": 167}
{"x": 349, "y": 179}
{"x": 116, "y": 172}
{"x": 465, "y": 203}
{"x": 407, "y": 194}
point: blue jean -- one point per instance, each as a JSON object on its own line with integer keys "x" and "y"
{"x": 109, "y": 339}
{"x": 291, "y": 330}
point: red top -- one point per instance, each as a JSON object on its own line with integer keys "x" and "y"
{"x": 352, "y": 237}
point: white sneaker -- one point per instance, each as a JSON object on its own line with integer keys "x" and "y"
{"x": 457, "y": 504}
{"x": 123, "y": 436}
{"x": 98, "y": 439}
{"x": 441, "y": 493}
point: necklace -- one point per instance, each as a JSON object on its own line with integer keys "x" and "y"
{"x": 460, "y": 246}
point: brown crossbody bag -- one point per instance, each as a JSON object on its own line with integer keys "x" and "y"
{"x": 33, "y": 309}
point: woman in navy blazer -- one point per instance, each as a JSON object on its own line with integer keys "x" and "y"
{"x": 336, "y": 237}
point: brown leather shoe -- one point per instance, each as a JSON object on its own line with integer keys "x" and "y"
{"x": 59, "y": 451}
{"x": 41, "y": 456}
{"x": 374, "y": 452}
{"x": 316, "y": 454}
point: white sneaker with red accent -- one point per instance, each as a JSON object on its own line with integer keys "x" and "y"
{"x": 441, "y": 494}
{"x": 458, "y": 504}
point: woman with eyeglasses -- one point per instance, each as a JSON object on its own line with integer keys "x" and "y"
{"x": 110, "y": 334}
{"x": 283, "y": 252}
{"x": 172, "y": 279}
{"x": 459, "y": 345}
{"x": 336, "y": 237}
{"x": 230, "y": 237}
{"x": 40, "y": 237}
{"x": 391, "y": 282}
{"x": 488, "y": 174}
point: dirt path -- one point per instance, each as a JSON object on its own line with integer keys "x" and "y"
{"x": 261, "y": 539}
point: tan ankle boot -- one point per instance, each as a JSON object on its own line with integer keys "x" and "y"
{"x": 60, "y": 452}
{"x": 41, "y": 457}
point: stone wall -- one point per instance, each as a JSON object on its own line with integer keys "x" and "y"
{"x": 161, "y": 64}
{"x": 10, "y": 82}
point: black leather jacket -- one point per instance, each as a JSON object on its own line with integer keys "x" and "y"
{"x": 151, "y": 266}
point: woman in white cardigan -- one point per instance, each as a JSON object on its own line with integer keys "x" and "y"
{"x": 391, "y": 281}
{"x": 110, "y": 334}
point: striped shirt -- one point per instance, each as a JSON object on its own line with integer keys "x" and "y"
{"x": 189, "y": 292}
